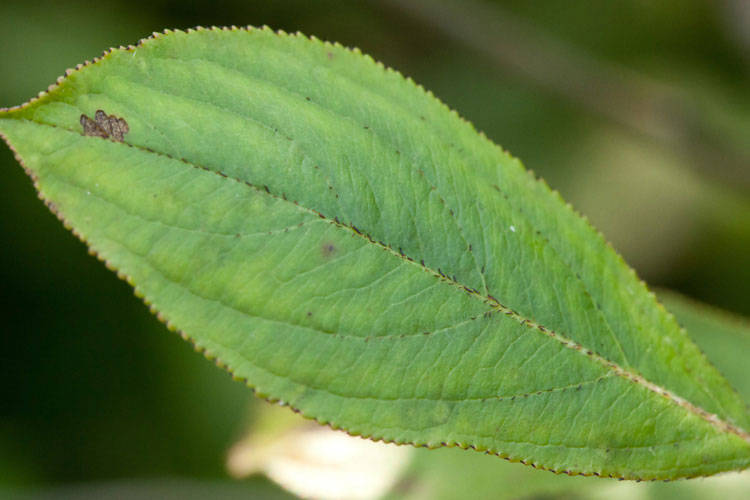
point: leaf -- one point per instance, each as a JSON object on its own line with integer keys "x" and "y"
{"x": 336, "y": 237}
{"x": 450, "y": 474}
{"x": 723, "y": 336}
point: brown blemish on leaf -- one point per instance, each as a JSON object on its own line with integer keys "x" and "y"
{"x": 91, "y": 128}
{"x": 105, "y": 126}
{"x": 327, "y": 249}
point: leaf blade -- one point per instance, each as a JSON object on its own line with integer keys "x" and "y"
{"x": 407, "y": 236}
{"x": 724, "y": 336}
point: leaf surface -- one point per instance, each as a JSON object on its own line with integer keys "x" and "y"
{"x": 339, "y": 239}
{"x": 722, "y": 335}
{"x": 451, "y": 474}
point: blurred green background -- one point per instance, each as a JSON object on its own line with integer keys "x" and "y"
{"x": 638, "y": 112}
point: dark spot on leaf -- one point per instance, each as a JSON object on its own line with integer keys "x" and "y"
{"x": 105, "y": 126}
{"x": 309, "y": 313}
{"x": 327, "y": 249}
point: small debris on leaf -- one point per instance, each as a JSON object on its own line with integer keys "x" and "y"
{"x": 105, "y": 126}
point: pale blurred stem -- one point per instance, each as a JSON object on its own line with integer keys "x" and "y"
{"x": 653, "y": 110}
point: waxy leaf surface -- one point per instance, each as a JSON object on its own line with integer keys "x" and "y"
{"x": 339, "y": 239}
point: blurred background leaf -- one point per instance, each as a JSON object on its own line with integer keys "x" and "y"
{"x": 637, "y": 112}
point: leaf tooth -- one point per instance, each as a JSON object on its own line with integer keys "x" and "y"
{"x": 337, "y": 46}
{"x": 144, "y": 40}
{"x": 378, "y": 63}
{"x": 124, "y": 277}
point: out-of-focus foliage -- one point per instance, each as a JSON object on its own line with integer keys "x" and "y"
{"x": 120, "y": 401}
{"x": 163, "y": 489}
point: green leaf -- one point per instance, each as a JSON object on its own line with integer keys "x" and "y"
{"x": 336, "y": 237}
{"x": 723, "y": 336}
{"x": 449, "y": 474}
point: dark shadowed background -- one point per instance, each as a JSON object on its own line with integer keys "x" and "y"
{"x": 638, "y": 112}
